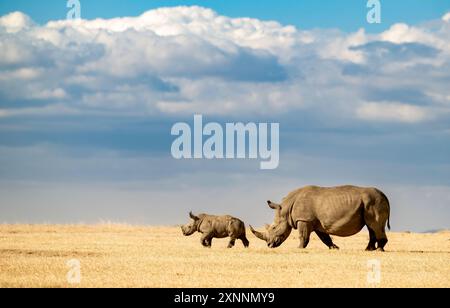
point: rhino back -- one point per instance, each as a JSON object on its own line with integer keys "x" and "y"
{"x": 220, "y": 226}
{"x": 334, "y": 210}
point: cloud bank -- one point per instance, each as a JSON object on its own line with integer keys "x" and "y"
{"x": 183, "y": 60}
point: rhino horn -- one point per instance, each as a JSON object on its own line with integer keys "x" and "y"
{"x": 259, "y": 235}
{"x": 193, "y": 216}
{"x": 273, "y": 206}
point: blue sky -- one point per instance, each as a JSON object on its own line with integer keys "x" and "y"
{"x": 348, "y": 15}
{"x": 86, "y": 107}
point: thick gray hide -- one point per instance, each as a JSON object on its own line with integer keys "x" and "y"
{"x": 341, "y": 211}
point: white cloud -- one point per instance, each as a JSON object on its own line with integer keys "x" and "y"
{"x": 174, "y": 107}
{"x": 339, "y": 48}
{"x": 15, "y": 22}
{"x": 191, "y": 59}
{"x": 50, "y": 110}
{"x": 402, "y": 33}
{"x": 221, "y": 31}
{"x": 26, "y": 73}
{"x": 446, "y": 17}
{"x": 57, "y": 93}
{"x": 14, "y": 53}
{"x": 393, "y": 112}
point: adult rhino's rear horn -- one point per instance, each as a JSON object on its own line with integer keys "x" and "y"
{"x": 259, "y": 235}
{"x": 192, "y": 216}
{"x": 273, "y": 206}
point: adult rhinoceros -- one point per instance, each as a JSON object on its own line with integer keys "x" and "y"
{"x": 340, "y": 211}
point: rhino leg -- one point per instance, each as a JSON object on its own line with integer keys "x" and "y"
{"x": 209, "y": 242}
{"x": 380, "y": 235}
{"x": 304, "y": 229}
{"x": 232, "y": 242}
{"x": 206, "y": 240}
{"x": 372, "y": 241}
{"x": 376, "y": 215}
{"x": 245, "y": 241}
{"x": 203, "y": 242}
{"x": 381, "y": 243}
{"x": 326, "y": 239}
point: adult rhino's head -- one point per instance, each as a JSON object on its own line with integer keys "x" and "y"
{"x": 191, "y": 227}
{"x": 278, "y": 231}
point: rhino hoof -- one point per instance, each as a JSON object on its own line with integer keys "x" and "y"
{"x": 380, "y": 249}
{"x": 334, "y": 247}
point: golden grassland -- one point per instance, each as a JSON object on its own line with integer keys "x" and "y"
{"x": 130, "y": 256}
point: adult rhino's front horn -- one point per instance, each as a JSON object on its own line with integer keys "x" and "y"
{"x": 259, "y": 235}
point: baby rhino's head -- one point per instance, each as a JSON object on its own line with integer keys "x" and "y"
{"x": 191, "y": 227}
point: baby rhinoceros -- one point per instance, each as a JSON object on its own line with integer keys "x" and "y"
{"x": 216, "y": 227}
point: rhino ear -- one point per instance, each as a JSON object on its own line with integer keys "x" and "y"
{"x": 273, "y": 206}
{"x": 193, "y": 216}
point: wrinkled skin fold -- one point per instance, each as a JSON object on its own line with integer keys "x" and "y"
{"x": 341, "y": 211}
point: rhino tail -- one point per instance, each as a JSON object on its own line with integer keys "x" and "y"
{"x": 389, "y": 211}
{"x": 388, "y": 208}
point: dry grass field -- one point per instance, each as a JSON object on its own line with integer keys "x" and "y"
{"x": 128, "y": 256}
